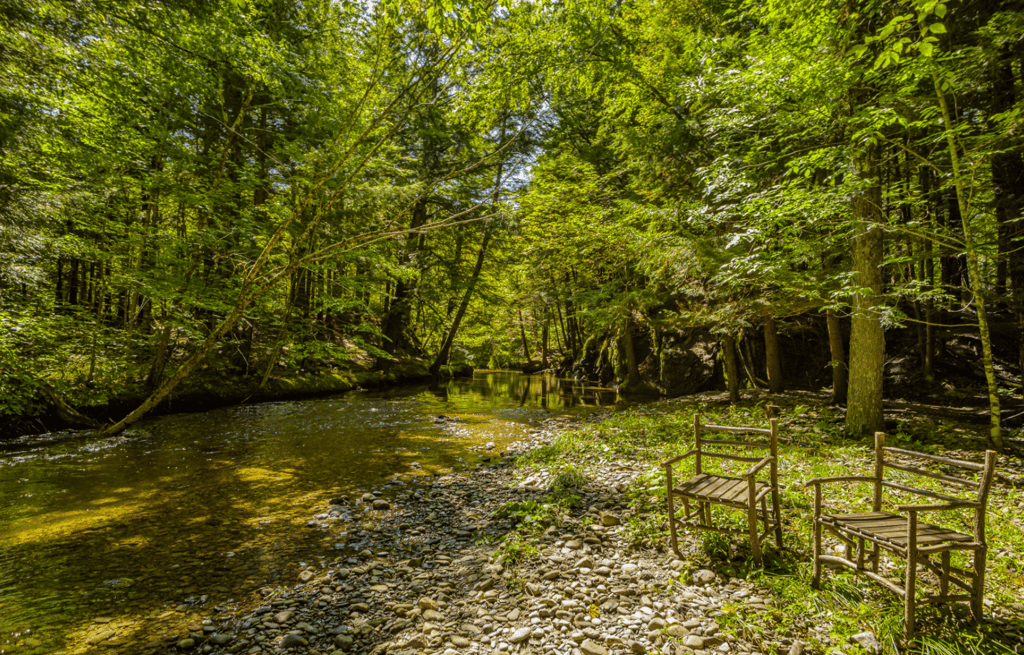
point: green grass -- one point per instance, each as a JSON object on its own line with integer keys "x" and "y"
{"x": 812, "y": 446}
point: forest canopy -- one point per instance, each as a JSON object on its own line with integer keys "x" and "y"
{"x": 663, "y": 195}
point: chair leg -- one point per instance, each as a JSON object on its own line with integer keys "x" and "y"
{"x": 816, "y": 553}
{"x": 672, "y": 524}
{"x": 778, "y": 520}
{"x": 910, "y": 600}
{"x": 944, "y": 579}
{"x": 978, "y": 589}
{"x": 755, "y": 543}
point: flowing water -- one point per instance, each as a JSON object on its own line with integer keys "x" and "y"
{"x": 109, "y": 544}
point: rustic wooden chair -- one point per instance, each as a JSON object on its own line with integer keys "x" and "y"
{"x": 904, "y": 535}
{"x": 743, "y": 493}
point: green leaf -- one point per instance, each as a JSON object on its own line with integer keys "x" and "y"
{"x": 940, "y": 10}
{"x": 926, "y": 49}
{"x": 937, "y": 28}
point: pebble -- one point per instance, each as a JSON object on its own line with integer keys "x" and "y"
{"x": 587, "y": 592}
{"x": 694, "y": 642}
{"x": 291, "y": 641}
{"x": 522, "y": 634}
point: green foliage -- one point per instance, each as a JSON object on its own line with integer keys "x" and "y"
{"x": 515, "y": 549}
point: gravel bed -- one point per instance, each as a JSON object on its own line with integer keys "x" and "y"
{"x": 426, "y": 579}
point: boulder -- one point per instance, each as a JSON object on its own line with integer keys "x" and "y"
{"x": 689, "y": 362}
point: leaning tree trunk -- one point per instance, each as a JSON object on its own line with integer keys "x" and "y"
{"x": 446, "y": 346}
{"x": 974, "y": 273}
{"x": 867, "y": 338}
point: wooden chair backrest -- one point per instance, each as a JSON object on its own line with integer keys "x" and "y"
{"x": 982, "y": 485}
{"x": 700, "y": 443}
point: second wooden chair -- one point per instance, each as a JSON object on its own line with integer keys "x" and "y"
{"x": 744, "y": 492}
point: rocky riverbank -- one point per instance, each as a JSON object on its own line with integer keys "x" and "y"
{"x": 431, "y": 578}
{"x": 563, "y": 559}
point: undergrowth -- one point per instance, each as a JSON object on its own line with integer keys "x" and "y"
{"x": 812, "y": 445}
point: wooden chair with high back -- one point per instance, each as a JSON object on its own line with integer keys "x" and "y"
{"x": 902, "y": 533}
{"x": 744, "y": 492}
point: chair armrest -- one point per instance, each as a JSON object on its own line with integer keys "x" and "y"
{"x": 757, "y": 467}
{"x": 933, "y": 507}
{"x": 669, "y": 462}
{"x": 842, "y": 478}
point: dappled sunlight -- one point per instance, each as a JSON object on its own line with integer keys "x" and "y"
{"x": 130, "y": 541}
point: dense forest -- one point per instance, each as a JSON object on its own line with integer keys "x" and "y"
{"x": 663, "y": 195}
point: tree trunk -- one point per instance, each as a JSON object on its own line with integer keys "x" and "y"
{"x": 632, "y": 370}
{"x": 840, "y": 372}
{"x": 732, "y": 372}
{"x": 73, "y": 283}
{"x": 771, "y": 353}
{"x": 544, "y": 343}
{"x": 400, "y": 308}
{"x": 867, "y": 338}
{"x": 974, "y": 271}
{"x": 156, "y": 371}
{"x": 563, "y": 344}
{"x": 747, "y": 360}
{"x": 446, "y": 346}
{"x": 58, "y": 299}
{"x": 185, "y": 369}
{"x": 526, "y": 345}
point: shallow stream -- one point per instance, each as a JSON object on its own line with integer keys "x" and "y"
{"x": 109, "y": 544}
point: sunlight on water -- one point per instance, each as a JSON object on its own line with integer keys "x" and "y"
{"x": 114, "y": 543}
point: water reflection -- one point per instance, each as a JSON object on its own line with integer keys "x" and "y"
{"x": 134, "y": 537}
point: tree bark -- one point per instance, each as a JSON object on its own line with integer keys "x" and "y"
{"x": 974, "y": 271}
{"x": 400, "y": 308}
{"x": 867, "y": 338}
{"x": 773, "y": 363}
{"x": 732, "y": 372}
{"x": 632, "y": 369}
{"x": 446, "y": 346}
{"x": 156, "y": 370}
{"x": 747, "y": 360}
{"x": 840, "y": 372}
{"x": 526, "y": 345}
{"x": 544, "y": 342}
